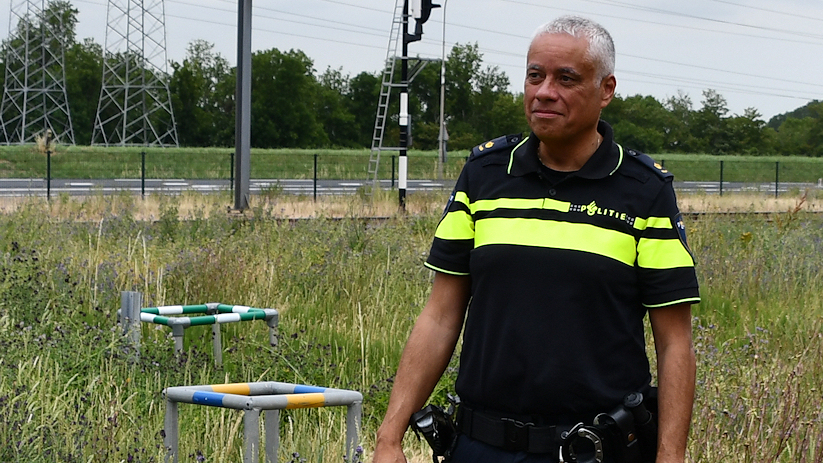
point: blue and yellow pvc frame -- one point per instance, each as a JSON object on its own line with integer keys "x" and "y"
{"x": 253, "y": 398}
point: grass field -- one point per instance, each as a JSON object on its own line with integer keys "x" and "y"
{"x": 83, "y": 162}
{"x": 348, "y": 290}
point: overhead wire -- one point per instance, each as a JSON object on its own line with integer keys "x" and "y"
{"x": 364, "y": 30}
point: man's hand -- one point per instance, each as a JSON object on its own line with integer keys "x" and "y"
{"x": 385, "y": 452}
{"x": 425, "y": 357}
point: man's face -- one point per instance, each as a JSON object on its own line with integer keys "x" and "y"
{"x": 563, "y": 94}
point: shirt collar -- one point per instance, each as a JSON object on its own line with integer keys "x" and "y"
{"x": 604, "y": 161}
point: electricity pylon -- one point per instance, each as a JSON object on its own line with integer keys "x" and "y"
{"x": 135, "y": 103}
{"x": 34, "y": 92}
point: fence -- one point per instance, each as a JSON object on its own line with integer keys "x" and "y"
{"x": 147, "y": 165}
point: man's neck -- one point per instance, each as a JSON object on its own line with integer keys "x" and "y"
{"x": 565, "y": 156}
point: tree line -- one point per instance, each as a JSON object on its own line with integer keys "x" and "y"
{"x": 295, "y": 106}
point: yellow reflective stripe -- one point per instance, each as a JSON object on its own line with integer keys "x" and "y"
{"x": 662, "y": 254}
{"x": 560, "y": 235}
{"x": 519, "y": 203}
{"x": 690, "y": 300}
{"x": 457, "y": 225}
{"x": 511, "y": 155}
{"x": 653, "y": 222}
{"x": 461, "y": 197}
{"x": 235, "y": 388}
{"x": 438, "y": 269}
{"x": 310, "y": 400}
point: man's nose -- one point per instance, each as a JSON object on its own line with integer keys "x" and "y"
{"x": 547, "y": 90}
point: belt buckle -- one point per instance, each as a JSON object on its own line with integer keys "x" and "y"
{"x": 516, "y": 435}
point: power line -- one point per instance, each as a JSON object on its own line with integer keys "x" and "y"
{"x": 702, "y": 18}
{"x": 378, "y": 32}
{"x": 793, "y": 15}
{"x": 484, "y": 50}
{"x": 658, "y": 23}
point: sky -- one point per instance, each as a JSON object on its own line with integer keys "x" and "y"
{"x": 755, "y": 53}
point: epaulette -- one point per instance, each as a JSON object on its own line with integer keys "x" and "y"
{"x": 647, "y": 161}
{"x": 491, "y": 146}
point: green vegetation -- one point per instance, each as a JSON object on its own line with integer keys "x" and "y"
{"x": 348, "y": 291}
{"x": 84, "y": 162}
{"x": 294, "y": 106}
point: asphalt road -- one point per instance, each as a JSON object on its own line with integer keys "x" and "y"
{"x": 10, "y": 187}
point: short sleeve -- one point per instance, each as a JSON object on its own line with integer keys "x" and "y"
{"x": 454, "y": 238}
{"x": 665, "y": 264}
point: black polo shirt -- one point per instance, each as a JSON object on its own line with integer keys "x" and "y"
{"x": 562, "y": 274}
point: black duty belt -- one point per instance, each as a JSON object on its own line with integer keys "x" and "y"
{"x": 508, "y": 433}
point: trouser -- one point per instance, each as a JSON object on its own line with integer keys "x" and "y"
{"x": 469, "y": 450}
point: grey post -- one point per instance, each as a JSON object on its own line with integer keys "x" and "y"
{"x": 218, "y": 346}
{"x": 170, "y": 428}
{"x": 130, "y": 304}
{"x": 177, "y": 331}
{"x": 353, "y": 417}
{"x": 272, "y": 424}
{"x": 272, "y": 323}
{"x": 251, "y": 431}
{"x": 215, "y": 335}
{"x": 242, "y": 142}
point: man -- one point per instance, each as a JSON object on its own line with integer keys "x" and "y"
{"x": 553, "y": 248}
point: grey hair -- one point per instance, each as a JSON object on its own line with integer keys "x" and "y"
{"x": 601, "y": 45}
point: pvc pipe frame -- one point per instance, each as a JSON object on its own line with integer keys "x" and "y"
{"x": 131, "y": 314}
{"x": 253, "y": 398}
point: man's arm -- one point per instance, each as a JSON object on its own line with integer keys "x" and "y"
{"x": 672, "y": 329}
{"x": 425, "y": 357}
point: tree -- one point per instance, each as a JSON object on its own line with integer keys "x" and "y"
{"x": 84, "y": 67}
{"x": 284, "y": 101}
{"x": 679, "y": 137}
{"x": 332, "y": 108}
{"x": 793, "y": 136}
{"x": 364, "y": 90}
{"x": 710, "y": 124}
{"x": 640, "y": 122}
{"x": 746, "y": 134}
{"x": 195, "y": 88}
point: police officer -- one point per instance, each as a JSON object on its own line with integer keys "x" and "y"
{"x": 552, "y": 250}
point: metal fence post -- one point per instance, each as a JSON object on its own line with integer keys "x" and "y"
{"x": 776, "y": 177}
{"x": 48, "y": 172}
{"x": 143, "y": 173}
{"x": 721, "y": 178}
{"x": 315, "y": 176}
{"x": 392, "y": 171}
{"x": 231, "y": 171}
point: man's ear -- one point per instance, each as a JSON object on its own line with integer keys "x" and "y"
{"x": 607, "y": 87}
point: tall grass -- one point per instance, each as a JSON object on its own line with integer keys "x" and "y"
{"x": 349, "y": 290}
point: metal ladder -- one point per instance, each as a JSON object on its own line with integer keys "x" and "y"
{"x": 385, "y": 94}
